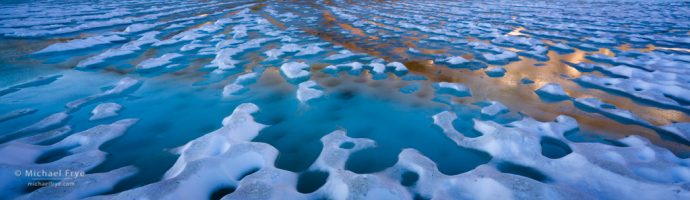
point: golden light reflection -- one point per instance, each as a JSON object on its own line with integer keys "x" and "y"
{"x": 624, "y": 47}
{"x": 352, "y": 29}
{"x": 381, "y": 25}
{"x": 510, "y": 91}
{"x": 512, "y": 49}
{"x": 516, "y": 31}
{"x": 607, "y": 52}
{"x": 432, "y": 51}
{"x": 274, "y": 21}
{"x": 576, "y": 57}
{"x": 328, "y": 17}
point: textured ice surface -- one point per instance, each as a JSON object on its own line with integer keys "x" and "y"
{"x": 152, "y": 63}
{"x": 496, "y": 72}
{"x": 456, "y": 60}
{"x": 598, "y": 105}
{"x": 346, "y": 99}
{"x": 105, "y": 110}
{"x": 124, "y": 50}
{"x": 456, "y": 89}
{"x": 494, "y": 108}
{"x": 397, "y": 67}
{"x": 81, "y": 43}
{"x": 552, "y": 91}
{"x": 306, "y": 91}
{"x": 295, "y": 70}
{"x": 681, "y": 129}
{"x": 500, "y": 58}
{"x": 124, "y": 85}
{"x": 16, "y": 113}
{"x": 24, "y": 154}
{"x": 585, "y": 160}
{"x": 39, "y": 81}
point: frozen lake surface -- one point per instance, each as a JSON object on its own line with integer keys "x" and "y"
{"x": 344, "y": 99}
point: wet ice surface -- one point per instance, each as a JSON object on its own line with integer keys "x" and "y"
{"x": 335, "y": 100}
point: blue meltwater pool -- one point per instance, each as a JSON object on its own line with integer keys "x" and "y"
{"x": 344, "y": 99}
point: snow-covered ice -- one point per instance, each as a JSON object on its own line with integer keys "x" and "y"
{"x": 16, "y": 113}
{"x": 306, "y": 91}
{"x": 456, "y": 89}
{"x": 153, "y": 63}
{"x": 494, "y": 108}
{"x": 552, "y": 91}
{"x": 50, "y": 121}
{"x": 295, "y": 70}
{"x": 345, "y": 99}
{"x": 124, "y": 85}
{"x": 397, "y": 67}
{"x": 496, "y": 72}
{"x": 81, "y": 43}
{"x": 105, "y": 110}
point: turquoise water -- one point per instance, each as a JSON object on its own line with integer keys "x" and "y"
{"x": 183, "y": 100}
